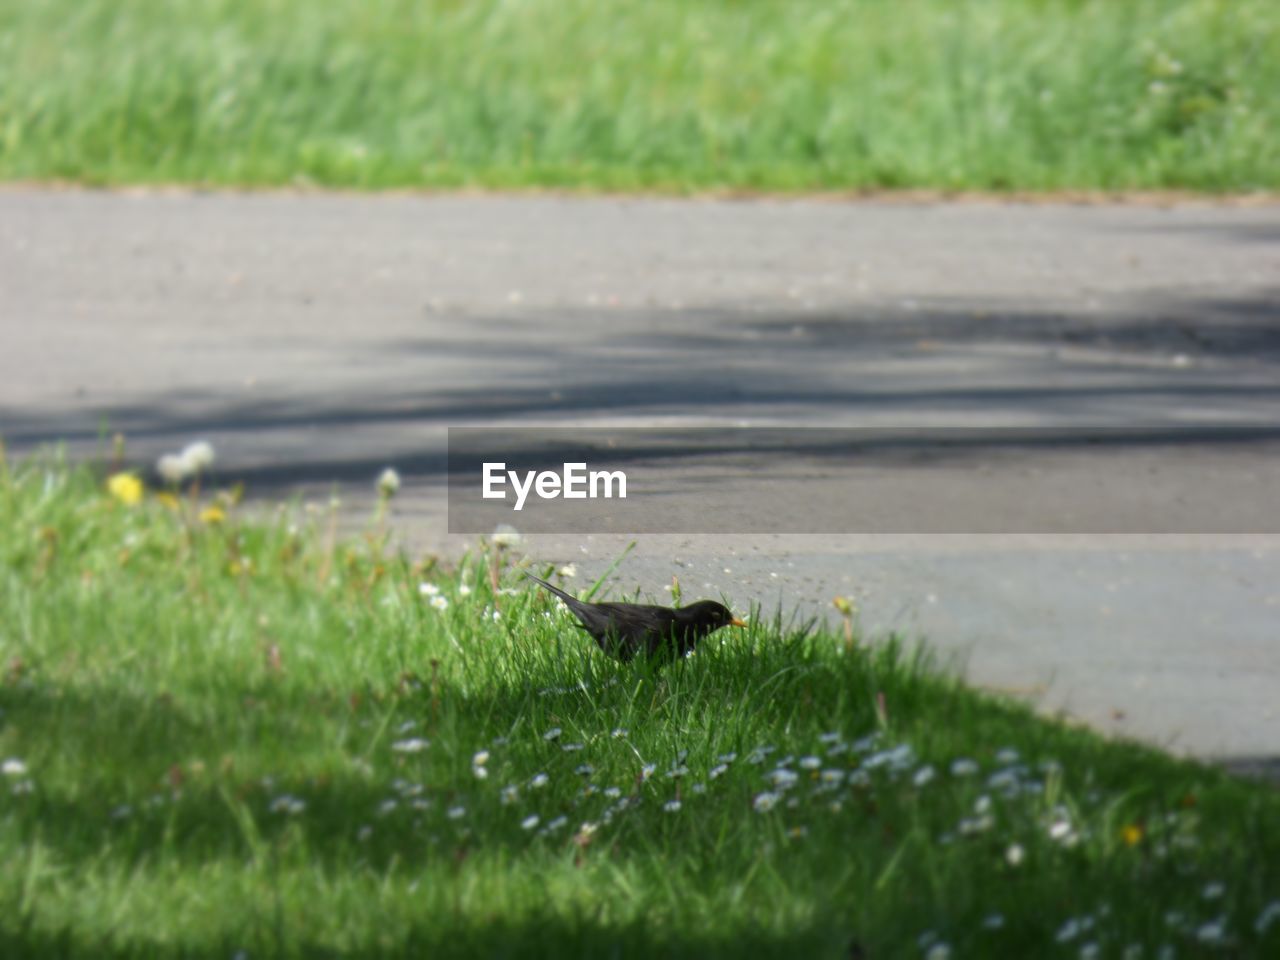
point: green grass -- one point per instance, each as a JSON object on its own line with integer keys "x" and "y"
{"x": 209, "y": 733}
{"x": 663, "y": 94}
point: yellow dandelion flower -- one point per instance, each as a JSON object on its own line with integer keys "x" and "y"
{"x": 125, "y": 487}
{"x": 212, "y": 515}
{"x": 167, "y": 500}
{"x": 1131, "y": 835}
{"x": 844, "y": 605}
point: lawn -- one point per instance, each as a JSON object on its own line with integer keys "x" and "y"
{"x": 679, "y": 95}
{"x": 229, "y": 733}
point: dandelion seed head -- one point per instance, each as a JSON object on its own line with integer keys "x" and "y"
{"x": 172, "y": 468}
{"x": 199, "y": 456}
{"x": 505, "y": 535}
{"x": 388, "y": 483}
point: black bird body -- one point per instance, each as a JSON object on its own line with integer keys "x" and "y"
{"x": 626, "y": 630}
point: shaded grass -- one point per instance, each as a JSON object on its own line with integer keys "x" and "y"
{"x": 217, "y": 726}
{"x": 670, "y": 94}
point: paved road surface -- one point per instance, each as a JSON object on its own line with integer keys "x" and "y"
{"x": 316, "y": 339}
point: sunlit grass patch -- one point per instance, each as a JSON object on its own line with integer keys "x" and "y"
{"x": 666, "y": 94}
{"x": 243, "y": 734}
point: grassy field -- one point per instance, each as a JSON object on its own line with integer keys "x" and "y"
{"x": 227, "y": 737}
{"x": 664, "y": 94}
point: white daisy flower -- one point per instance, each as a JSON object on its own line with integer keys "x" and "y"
{"x": 529, "y": 822}
{"x": 13, "y": 767}
{"x": 410, "y": 745}
{"x": 764, "y": 802}
{"x": 671, "y": 806}
{"x": 428, "y": 589}
{"x": 440, "y": 603}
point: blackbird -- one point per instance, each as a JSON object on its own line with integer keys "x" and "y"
{"x": 624, "y": 630}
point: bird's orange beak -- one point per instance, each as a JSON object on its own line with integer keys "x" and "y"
{"x": 735, "y": 622}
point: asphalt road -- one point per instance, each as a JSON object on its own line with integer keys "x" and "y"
{"x": 317, "y": 339}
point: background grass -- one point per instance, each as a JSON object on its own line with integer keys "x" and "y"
{"x": 228, "y": 735}
{"x": 666, "y": 94}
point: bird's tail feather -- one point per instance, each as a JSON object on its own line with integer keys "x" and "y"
{"x": 556, "y": 590}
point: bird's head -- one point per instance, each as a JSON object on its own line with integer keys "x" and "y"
{"x": 709, "y": 614}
